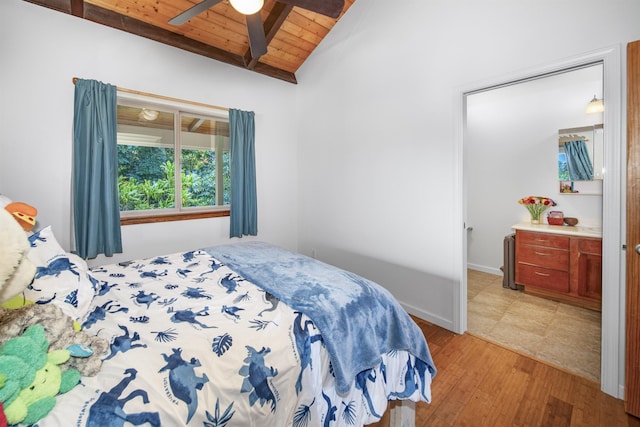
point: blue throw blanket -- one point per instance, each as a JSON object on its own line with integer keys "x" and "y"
{"x": 358, "y": 319}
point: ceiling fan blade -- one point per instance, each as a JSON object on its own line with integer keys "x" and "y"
{"x": 193, "y": 11}
{"x": 330, "y": 8}
{"x": 257, "y": 39}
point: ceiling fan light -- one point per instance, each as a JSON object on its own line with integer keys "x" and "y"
{"x": 247, "y": 7}
{"x": 148, "y": 114}
{"x": 595, "y": 106}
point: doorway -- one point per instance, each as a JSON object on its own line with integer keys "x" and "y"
{"x": 611, "y": 221}
{"x": 512, "y": 131}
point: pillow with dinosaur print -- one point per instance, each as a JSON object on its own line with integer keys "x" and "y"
{"x": 61, "y": 278}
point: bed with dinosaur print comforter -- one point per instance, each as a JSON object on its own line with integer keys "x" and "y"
{"x": 194, "y": 343}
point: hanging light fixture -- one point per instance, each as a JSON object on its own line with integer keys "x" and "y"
{"x": 148, "y": 114}
{"x": 247, "y": 7}
{"x": 595, "y": 106}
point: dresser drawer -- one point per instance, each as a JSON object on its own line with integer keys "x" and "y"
{"x": 553, "y": 280}
{"x": 542, "y": 239}
{"x": 557, "y": 259}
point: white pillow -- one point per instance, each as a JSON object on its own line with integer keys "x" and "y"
{"x": 44, "y": 246}
{"x": 61, "y": 278}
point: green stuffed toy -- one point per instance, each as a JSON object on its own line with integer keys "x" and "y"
{"x": 20, "y": 358}
{"x": 28, "y": 359}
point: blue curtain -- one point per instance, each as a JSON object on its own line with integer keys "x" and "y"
{"x": 96, "y": 207}
{"x": 244, "y": 204}
{"x": 578, "y": 161}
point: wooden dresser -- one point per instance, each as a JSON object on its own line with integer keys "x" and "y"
{"x": 560, "y": 263}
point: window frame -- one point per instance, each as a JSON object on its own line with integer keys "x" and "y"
{"x": 178, "y": 107}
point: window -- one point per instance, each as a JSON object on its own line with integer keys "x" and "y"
{"x": 173, "y": 162}
{"x": 563, "y": 168}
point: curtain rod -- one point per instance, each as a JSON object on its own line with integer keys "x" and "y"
{"x": 581, "y": 129}
{"x": 166, "y": 98}
{"x": 568, "y": 138}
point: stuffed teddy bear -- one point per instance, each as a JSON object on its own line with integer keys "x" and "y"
{"x": 16, "y": 269}
{"x": 37, "y": 398}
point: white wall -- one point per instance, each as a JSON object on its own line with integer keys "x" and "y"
{"x": 42, "y": 50}
{"x": 357, "y": 163}
{"x": 377, "y": 114}
{"x": 511, "y": 151}
{"x": 376, "y": 169}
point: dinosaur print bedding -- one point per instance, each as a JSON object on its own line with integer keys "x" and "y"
{"x": 193, "y": 343}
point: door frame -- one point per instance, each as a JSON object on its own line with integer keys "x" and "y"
{"x": 612, "y": 344}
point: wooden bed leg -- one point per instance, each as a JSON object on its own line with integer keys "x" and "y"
{"x": 402, "y": 414}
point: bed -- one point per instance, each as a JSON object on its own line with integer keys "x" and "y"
{"x": 244, "y": 334}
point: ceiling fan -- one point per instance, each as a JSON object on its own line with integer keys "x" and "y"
{"x": 251, "y": 10}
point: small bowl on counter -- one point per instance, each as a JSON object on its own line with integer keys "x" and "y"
{"x": 570, "y": 220}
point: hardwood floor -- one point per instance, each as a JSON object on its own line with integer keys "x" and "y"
{"x": 480, "y": 383}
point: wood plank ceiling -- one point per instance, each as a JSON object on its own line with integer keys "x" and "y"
{"x": 219, "y": 33}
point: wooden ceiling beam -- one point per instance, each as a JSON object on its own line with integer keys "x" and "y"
{"x": 59, "y": 5}
{"x": 133, "y": 26}
{"x": 77, "y": 8}
{"x": 195, "y": 125}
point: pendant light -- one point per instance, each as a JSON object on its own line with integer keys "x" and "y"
{"x": 595, "y": 106}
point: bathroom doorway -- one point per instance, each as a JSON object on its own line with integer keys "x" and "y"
{"x": 510, "y": 168}
{"x": 512, "y": 131}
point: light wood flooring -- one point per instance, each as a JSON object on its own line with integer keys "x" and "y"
{"x": 564, "y": 335}
{"x": 480, "y": 383}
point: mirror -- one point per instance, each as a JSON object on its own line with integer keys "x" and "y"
{"x": 580, "y": 154}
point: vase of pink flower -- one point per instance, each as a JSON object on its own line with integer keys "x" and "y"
{"x": 536, "y": 205}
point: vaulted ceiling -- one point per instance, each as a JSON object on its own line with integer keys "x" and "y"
{"x": 219, "y": 32}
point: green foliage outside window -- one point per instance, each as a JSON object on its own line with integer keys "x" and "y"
{"x": 563, "y": 168}
{"x": 146, "y": 178}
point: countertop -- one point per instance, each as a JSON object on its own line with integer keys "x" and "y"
{"x": 571, "y": 230}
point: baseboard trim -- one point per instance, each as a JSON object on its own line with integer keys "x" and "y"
{"x": 484, "y": 269}
{"x": 429, "y": 317}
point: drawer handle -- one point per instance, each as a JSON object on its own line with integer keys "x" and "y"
{"x": 541, "y": 274}
{"x": 542, "y": 240}
{"x": 541, "y": 253}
